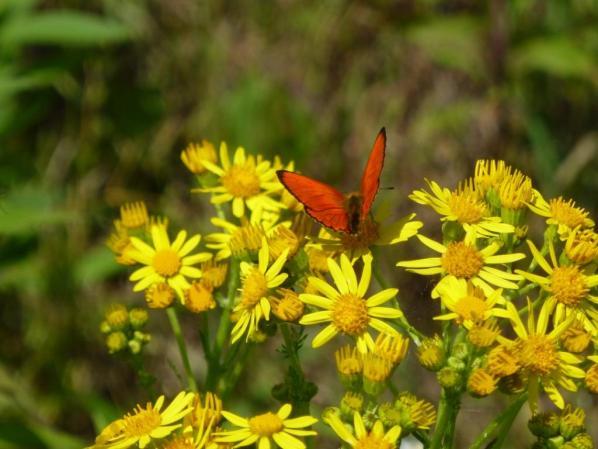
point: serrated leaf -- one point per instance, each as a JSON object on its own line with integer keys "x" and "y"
{"x": 69, "y": 28}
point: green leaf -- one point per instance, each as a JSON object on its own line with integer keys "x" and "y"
{"x": 557, "y": 56}
{"x": 25, "y": 210}
{"x": 453, "y": 42}
{"x": 11, "y": 83}
{"x": 97, "y": 264}
{"x": 69, "y": 28}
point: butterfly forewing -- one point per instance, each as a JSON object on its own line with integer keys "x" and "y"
{"x": 322, "y": 202}
{"x": 370, "y": 181}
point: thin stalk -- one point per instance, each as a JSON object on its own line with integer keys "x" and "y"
{"x": 422, "y": 437}
{"x": 176, "y": 329}
{"x": 302, "y": 407}
{"x": 448, "y": 409}
{"x": 500, "y": 425}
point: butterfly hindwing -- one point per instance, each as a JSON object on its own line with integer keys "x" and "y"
{"x": 370, "y": 181}
{"x": 322, "y": 202}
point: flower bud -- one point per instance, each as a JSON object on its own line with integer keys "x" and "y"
{"x": 545, "y": 425}
{"x": 460, "y": 351}
{"x": 375, "y": 372}
{"x": 582, "y": 441}
{"x": 448, "y": 377}
{"x": 591, "y": 379}
{"x": 116, "y": 341}
{"x": 117, "y": 317}
{"x": 159, "y": 296}
{"x": 513, "y": 384}
{"x": 456, "y": 363}
{"x": 198, "y": 298}
{"x": 135, "y": 346}
{"x": 481, "y": 383}
{"x": 572, "y": 422}
{"x": 138, "y": 317}
{"x": 431, "y": 353}
{"x": 349, "y": 365}
{"x": 351, "y": 402}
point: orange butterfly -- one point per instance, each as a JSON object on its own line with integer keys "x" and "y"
{"x": 325, "y": 204}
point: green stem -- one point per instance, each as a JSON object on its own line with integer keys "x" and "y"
{"x": 176, "y": 329}
{"x": 500, "y": 425}
{"x": 448, "y": 409}
{"x": 223, "y": 331}
{"x": 422, "y": 437}
{"x": 302, "y": 407}
{"x": 204, "y": 336}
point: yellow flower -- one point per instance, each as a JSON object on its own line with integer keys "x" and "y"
{"x": 515, "y": 191}
{"x": 483, "y": 335}
{"x": 116, "y": 316}
{"x": 575, "y": 339}
{"x": 213, "y": 274}
{"x": 581, "y": 246}
{"x": 538, "y": 355}
{"x": 489, "y": 174}
{"x": 246, "y": 183}
{"x": 502, "y": 361}
{"x": 591, "y": 377}
{"x": 467, "y": 305}
{"x": 431, "y": 353}
{"x": 373, "y": 232}
{"x": 287, "y": 306}
{"x": 159, "y": 296}
{"x": 281, "y": 238}
{"x": 145, "y": 424}
{"x": 165, "y": 261}
{"x": 349, "y": 361}
{"x": 562, "y": 213}
{"x": 481, "y": 383}
{"x": 463, "y": 205}
{"x": 392, "y": 348}
{"x": 568, "y": 286}
{"x": 206, "y": 410}
{"x": 267, "y": 428}
{"x": 199, "y": 298}
{"x": 345, "y": 307}
{"x": 465, "y": 261}
{"x": 119, "y": 243}
{"x": 236, "y": 239}
{"x": 134, "y": 215}
{"x": 360, "y": 438}
{"x": 194, "y": 155}
{"x": 258, "y": 282}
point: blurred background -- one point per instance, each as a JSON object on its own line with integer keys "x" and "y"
{"x": 98, "y": 98}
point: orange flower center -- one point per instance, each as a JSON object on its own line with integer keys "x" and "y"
{"x": 466, "y": 206}
{"x": 142, "y": 422}
{"x": 266, "y": 424}
{"x": 166, "y": 262}
{"x": 471, "y": 308}
{"x": 371, "y": 441}
{"x": 241, "y": 180}
{"x": 350, "y": 314}
{"x": 255, "y": 287}
{"x": 565, "y": 212}
{"x": 538, "y": 354}
{"x": 568, "y": 285}
{"x": 462, "y": 260}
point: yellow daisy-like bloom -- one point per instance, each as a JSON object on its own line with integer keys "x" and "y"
{"x": 199, "y": 298}
{"x": 463, "y": 205}
{"x": 489, "y": 174}
{"x": 464, "y": 260}
{"x": 119, "y": 243}
{"x": 349, "y": 361}
{"x": 569, "y": 288}
{"x": 481, "y": 383}
{"x": 562, "y": 213}
{"x": 166, "y": 261}
{"x": 195, "y": 153}
{"x": 483, "y": 335}
{"x": 392, "y": 348}
{"x": 361, "y": 438}
{"x": 468, "y": 305}
{"x": 345, "y": 307}
{"x": 134, "y": 215}
{"x": 287, "y": 306}
{"x": 207, "y": 410}
{"x": 213, "y": 274}
{"x": 145, "y": 424}
{"x": 581, "y": 246}
{"x": 245, "y": 182}
{"x": 159, "y": 296}
{"x": 515, "y": 191}
{"x": 268, "y": 428}
{"x": 235, "y": 240}
{"x": 538, "y": 354}
{"x": 258, "y": 284}
{"x": 373, "y": 232}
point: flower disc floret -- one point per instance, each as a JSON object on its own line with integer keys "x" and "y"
{"x": 345, "y": 306}
{"x": 568, "y": 285}
{"x": 462, "y": 260}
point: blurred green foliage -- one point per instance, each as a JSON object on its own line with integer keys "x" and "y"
{"x": 98, "y": 97}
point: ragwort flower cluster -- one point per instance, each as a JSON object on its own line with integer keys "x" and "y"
{"x": 516, "y": 315}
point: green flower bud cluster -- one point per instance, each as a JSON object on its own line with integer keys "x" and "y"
{"x": 123, "y": 329}
{"x": 564, "y": 431}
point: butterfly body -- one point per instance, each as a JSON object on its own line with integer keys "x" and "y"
{"x": 345, "y": 213}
